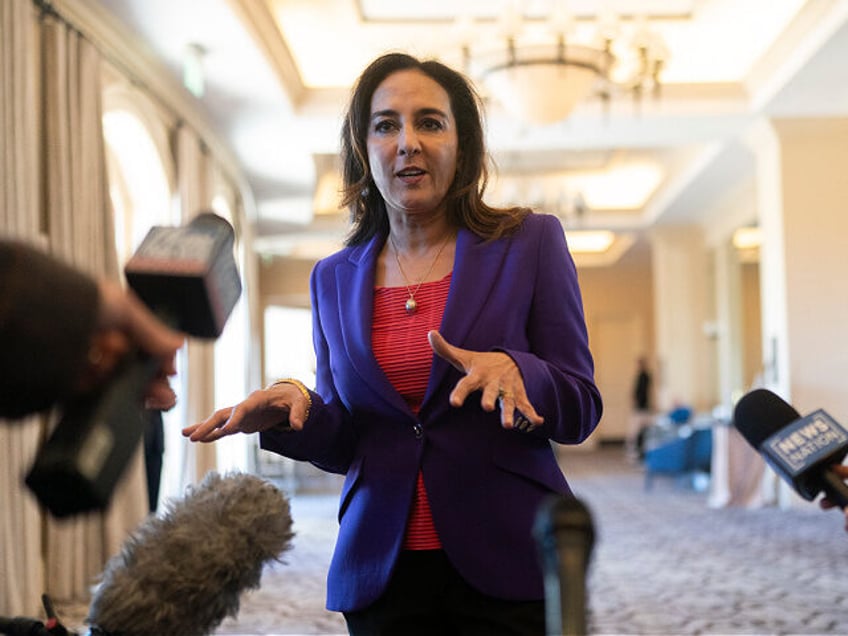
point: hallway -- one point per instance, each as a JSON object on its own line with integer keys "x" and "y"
{"x": 664, "y": 563}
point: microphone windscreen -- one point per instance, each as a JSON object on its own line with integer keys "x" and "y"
{"x": 760, "y": 414}
{"x": 182, "y": 573}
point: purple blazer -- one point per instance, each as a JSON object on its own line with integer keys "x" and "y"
{"x": 519, "y": 295}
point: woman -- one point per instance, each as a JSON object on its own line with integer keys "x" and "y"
{"x": 446, "y": 457}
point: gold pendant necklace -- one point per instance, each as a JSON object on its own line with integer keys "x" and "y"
{"x": 411, "y": 305}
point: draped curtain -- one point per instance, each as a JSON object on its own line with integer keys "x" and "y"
{"x": 63, "y": 161}
{"x": 20, "y": 522}
{"x": 54, "y": 192}
{"x": 18, "y": 76}
{"x": 195, "y": 193}
{"x": 80, "y": 229}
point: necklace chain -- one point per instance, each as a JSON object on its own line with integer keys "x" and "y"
{"x": 411, "y": 304}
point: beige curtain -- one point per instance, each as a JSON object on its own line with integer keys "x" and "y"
{"x": 18, "y": 75}
{"x": 80, "y": 227}
{"x": 54, "y": 192}
{"x": 38, "y": 554}
{"x": 21, "y": 572}
{"x": 193, "y": 182}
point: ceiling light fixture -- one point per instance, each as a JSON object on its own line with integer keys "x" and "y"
{"x": 328, "y": 194}
{"x": 747, "y": 238}
{"x": 589, "y": 241}
{"x": 545, "y": 68}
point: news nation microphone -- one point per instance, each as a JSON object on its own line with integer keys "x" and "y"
{"x": 188, "y": 277}
{"x": 565, "y": 536}
{"x": 801, "y": 450}
{"x": 183, "y": 573}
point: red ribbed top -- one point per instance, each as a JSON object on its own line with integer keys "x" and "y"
{"x": 399, "y": 341}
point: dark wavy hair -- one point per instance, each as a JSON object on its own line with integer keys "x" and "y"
{"x": 465, "y": 196}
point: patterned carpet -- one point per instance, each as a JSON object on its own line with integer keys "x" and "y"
{"x": 667, "y": 564}
{"x": 664, "y": 563}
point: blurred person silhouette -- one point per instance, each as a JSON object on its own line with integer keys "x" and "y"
{"x": 154, "y": 449}
{"x": 451, "y": 351}
{"x": 640, "y": 417}
{"x": 63, "y": 333}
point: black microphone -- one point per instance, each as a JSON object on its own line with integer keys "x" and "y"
{"x": 801, "y": 450}
{"x": 21, "y": 626}
{"x": 565, "y": 536}
{"x": 182, "y": 573}
{"x": 188, "y": 277}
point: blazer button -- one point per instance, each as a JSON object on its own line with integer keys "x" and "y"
{"x": 418, "y": 430}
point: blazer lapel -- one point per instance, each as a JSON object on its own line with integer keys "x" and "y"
{"x": 476, "y": 268}
{"x": 355, "y": 293}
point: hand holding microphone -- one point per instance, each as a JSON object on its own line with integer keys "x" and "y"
{"x": 187, "y": 278}
{"x": 840, "y": 471}
{"x": 64, "y": 332}
{"x": 805, "y": 451}
{"x": 124, "y": 323}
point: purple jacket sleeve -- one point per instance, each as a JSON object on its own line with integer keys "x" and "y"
{"x": 557, "y": 367}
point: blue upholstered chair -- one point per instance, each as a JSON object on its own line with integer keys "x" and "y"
{"x": 682, "y": 454}
{"x": 702, "y": 449}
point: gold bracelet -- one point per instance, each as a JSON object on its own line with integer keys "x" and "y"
{"x": 300, "y": 386}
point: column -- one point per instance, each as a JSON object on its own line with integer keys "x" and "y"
{"x": 682, "y": 296}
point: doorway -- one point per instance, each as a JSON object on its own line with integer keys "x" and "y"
{"x": 618, "y": 342}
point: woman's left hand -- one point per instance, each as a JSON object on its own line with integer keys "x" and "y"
{"x": 496, "y": 375}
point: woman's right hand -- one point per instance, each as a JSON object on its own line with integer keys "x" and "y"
{"x": 279, "y": 404}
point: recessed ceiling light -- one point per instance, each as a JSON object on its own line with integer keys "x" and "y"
{"x": 589, "y": 241}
